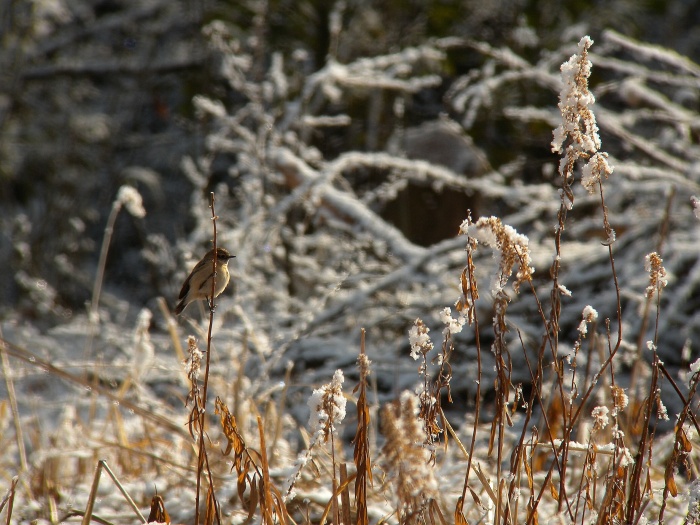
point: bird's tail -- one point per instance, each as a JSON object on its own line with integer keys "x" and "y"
{"x": 180, "y": 307}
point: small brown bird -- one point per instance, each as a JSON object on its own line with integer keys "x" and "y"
{"x": 198, "y": 282}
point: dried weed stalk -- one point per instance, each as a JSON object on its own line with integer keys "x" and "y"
{"x": 682, "y": 445}
{"x": 577, "y": 138}
{"x": 362, "y": 456}
{"x": 198, "y": 397}
{"x": 158, "y": 514}
{"x": 513, "y": 253}
{"x": 623, "y": 491}
{"x": 327, "y": 406}
{"x": 407, "y": 461}
{"x": 434, "y": 387}
{"x": 255, "y": 488}
{"x": 466, "y": 305}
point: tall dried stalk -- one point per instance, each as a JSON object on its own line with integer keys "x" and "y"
{"x": 131, "y": 199}
{"x": 199, "y": 398}
{"x": 362, "y": 456}
{"x": 255, "y": 488}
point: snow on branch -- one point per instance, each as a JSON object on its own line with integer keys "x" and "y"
{"x": 392, "y": 72}
{"x": 578, "y": 121}
{"x": 652, "y": 52}
{"x": 339, "y": 204}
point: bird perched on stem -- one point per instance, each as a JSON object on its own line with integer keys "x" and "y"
{"x": 198, "y": 282}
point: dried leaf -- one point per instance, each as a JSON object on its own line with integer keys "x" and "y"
{"x": 685, "y": 443}
{"x": 251, "y": 503}
{"x": 242, "y": 484}
{"x": 671, "y": 482}
{"x": 435, "y": 512}
{"x": 212, "y": 508}
{"x": 459, "y": 510}
{"x": 647, "y": 484}
{"x": 475, "y": 497}
{"x": 528, "y": 474}
{"x": 553, "y": 491}
{"x": 158, "y": 513}
{"x": 533, "y": 512}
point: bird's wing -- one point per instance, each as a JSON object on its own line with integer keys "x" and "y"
{"x": 185, "y": 287}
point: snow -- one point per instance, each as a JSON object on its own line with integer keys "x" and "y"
{"x": 419, "y": 339}
{"x": 600, "y": 417}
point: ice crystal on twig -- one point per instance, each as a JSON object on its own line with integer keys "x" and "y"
{"x": 589, "y": 315}
{"x": 131, "y": 199}
{"x": 419, "y": 339}
{"x": 512, "y": 246}
{"x": 327, "y": 406}
{"x": 406, "y": 460}
{"x": 578, "y": 121}
{"x": 657, "y": 274}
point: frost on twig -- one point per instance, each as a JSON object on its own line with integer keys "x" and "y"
{"x": 327, "y": 405}
{"x": 653, "y": 264}
{"x": 578, "y": 121}
{"x": 511, "y": 245}
{"x": 406, "y": 460}
{"x": 577, "y": 135}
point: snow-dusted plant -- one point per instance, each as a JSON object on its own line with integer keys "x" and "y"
{"x": 327, "y": 411}
{"x": 407, "y": 461}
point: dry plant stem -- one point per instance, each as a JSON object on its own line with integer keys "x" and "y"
{"x": 252, "y": 470}
{"x": 635, "y": 495}
{"x": 102, "y": 464}
{"x": 334, "y": 498}
{"x": 477, "y": 399}
{"x": 268, "y": 505}
{"x": 568, "y": 427}
{"x": 518, "y": 456}
{"x": 9, "y": 384}
{"x": 691, "y": 415}
{"x": 583, "y": 144}
{"x": 361, "y": 455}
{"x": 339, "y": 491}
{"x": 9, "y": 500}
{"x": 202, "y": 458}
{"x": 479, "y": 474}
{"x": 537, "y": 378}
{"x": 636, "y": 369}
{"x": 34, "y": 360}
{"x": 345, "y": 493}
{"x": 592, "y": 345}
{"x": 678, "y": 447}
{"x": 556, "y": 462}
{"x": 552, "y": 324}
{"x": 536, "y": 382}
{"x": 93, "y": 315}
{"x": 582, "y": 483}
{"x": 612, "y": 352}
{"x": 155, "y": 458}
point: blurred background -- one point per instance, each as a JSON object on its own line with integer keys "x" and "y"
{"x": 98, "y": 94}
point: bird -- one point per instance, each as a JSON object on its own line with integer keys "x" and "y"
{"x": 198, "y": 283}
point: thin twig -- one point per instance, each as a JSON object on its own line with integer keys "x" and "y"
{"x": 28, "y": 357}
{"x": 9, "y": 384}
{"x": 93, "y": 312}
{"x": 102, "y": 464}
{"x": 202, "y": 458}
